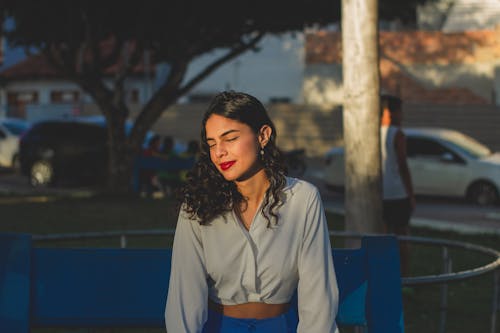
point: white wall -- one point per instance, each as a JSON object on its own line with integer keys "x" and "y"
{"x": 458, "y": 15}
{"x": 472, "y": 15}
{"x": 275, "y": 71}
{"x": 322, "y": 85}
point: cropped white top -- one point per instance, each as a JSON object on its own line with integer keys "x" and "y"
{"x": 230, "y": 265}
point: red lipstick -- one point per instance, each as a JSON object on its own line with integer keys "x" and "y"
{"x": 226, "y": 165}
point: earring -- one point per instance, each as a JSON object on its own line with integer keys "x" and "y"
{"x": 261, "y": 152}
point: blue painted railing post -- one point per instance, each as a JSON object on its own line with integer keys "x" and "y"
{"x": 15, "y": 270}
{"x": 384, "y": 301}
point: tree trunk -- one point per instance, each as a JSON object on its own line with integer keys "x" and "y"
{"x": 363, "y": 202}
{"x": 121, "y": 154}
{"x": 122, "y": 150}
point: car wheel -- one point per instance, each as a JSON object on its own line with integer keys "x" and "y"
{"x": 483, "y": 193}
{"x": 41, "y": 174}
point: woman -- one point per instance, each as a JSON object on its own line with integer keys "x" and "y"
{"x": 247, "y": 236}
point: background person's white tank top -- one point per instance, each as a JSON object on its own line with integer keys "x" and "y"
{"x": 393, "y": 187}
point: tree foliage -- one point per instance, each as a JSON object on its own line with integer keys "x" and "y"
{"x": 88, "y": 41}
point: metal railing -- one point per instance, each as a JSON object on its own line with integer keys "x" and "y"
{"x": 443, "y": 278}
{"x": 447, "y": 275}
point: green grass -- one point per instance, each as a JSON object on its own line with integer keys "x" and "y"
{"x": 469, "y": 301}
{"x": 100, "y": 213}
{"x": 469, "y": 307}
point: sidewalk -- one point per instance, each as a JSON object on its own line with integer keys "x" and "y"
{"x": 464, "y": 227}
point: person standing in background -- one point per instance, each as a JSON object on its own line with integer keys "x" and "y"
{"x": 147, "y": 177}
{"x": 398, "y": 195}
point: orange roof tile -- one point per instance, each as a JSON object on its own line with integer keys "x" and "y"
{"x": 413, "y": 47}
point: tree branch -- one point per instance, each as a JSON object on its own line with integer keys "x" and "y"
{"x": 129, "y": 61}
{"x": 169, "y": 91}
{"x": 161, "y": 99}
{"x": 54, "y": 56}
{"x": 217, "y": 63}
{"x": 87, "y": 63}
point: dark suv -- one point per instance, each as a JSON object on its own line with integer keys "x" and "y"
{"x": 64, "y": 152}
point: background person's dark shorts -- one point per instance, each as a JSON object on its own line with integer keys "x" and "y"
{"x": 396, "y": 213}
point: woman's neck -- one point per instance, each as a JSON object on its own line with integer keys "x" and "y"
{"x": 254, "y": 188}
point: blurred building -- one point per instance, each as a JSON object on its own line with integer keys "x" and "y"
{"x": 427, "y": 67}
{"x": 458, "y": 15}
{"x": 33, "y": 89}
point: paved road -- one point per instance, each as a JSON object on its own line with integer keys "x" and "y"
{"x": 11, "y": 183}
{"x": 438, "y": 213}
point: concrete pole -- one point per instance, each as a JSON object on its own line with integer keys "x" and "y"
{"x": 361, "y": 115}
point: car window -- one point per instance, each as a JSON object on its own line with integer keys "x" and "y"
{"x": 77, "y": 131}
{"x": 69, "y": 131}
{"x": 43, "y": 128}
{"x": 423, "y": 147}
{"x": 429, "y": 148}
{"x": 467, "y": 145}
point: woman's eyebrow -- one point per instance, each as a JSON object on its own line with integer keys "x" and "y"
{"x": 225, "y": 133}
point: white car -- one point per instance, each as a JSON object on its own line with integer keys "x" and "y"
{"x": 442, "y": 162}
{"x": 10, "y": 131}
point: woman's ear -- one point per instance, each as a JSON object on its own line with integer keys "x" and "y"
{"x": 264, "y": 135}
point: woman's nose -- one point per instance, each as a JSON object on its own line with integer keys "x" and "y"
{"x": 220, "y": 150}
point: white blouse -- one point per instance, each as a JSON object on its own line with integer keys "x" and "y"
{"x": 230, "y": 265}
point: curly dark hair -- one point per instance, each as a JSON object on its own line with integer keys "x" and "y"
{"x": 207, "y": 194}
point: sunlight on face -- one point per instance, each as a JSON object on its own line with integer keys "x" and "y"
{"x": 233, "y": 147}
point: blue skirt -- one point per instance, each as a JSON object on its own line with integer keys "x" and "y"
{"x": 218, "y": 323}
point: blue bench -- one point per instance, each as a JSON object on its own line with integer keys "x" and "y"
{"x": 141, "y": 163}
{"x": 91, "y": 287}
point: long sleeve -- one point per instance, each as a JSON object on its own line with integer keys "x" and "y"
{"x": 186, "y": 309}
{"x": 317, "y": 289}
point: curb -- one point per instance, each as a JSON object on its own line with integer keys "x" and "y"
{"x": 453, "y": 226}
{"x": 434, "y": 224}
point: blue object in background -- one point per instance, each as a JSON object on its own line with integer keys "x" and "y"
{"x": 15, "y": 284}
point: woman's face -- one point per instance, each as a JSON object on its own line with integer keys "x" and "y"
{"x": 234, "y": 147}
